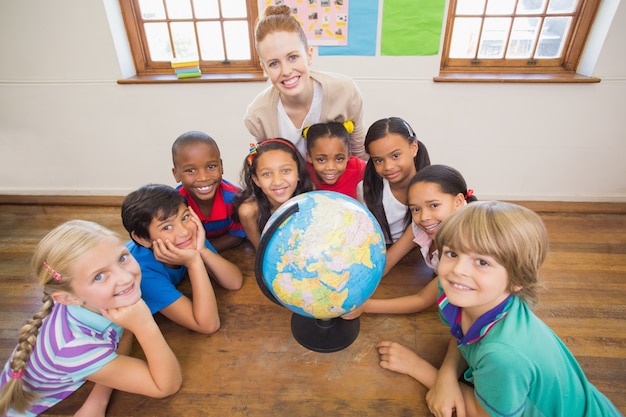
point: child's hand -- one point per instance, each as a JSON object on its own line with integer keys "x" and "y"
{"x": 397, "y": 358}
{"x": 132, "y": 317}
{"x": 445, "y": 401}
{"x": 354, "y": 314}
{"x": 200, "y": 232}
{"x": 167, "y": 253}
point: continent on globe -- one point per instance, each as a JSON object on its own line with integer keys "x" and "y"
{"x": 326, "y": 257}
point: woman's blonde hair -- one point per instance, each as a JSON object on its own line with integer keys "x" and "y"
{"x": 52, "y": 265}
{"x": 513, "y": 235}
{"x": 278, "y": 19}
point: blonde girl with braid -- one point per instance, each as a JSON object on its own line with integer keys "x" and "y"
{"x": 91, "y": 294}
{"x": 328, "y": 158}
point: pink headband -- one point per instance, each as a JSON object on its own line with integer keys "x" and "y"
{"x": 255, "y": 146}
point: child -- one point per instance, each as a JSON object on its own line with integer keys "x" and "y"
{"x": 91, "y": 294}
{"x": 273, "y": 172}
{"x": 513, "y": 364}
{"x": 298, "y": 97}
{"x": 435, "y": 192}
{"x": 328, "y": 158}
{"x": 168, "y": 241}
{"x": 198, "y": 169}
{"x": 394, "y": 160}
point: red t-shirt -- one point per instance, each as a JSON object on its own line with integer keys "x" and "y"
{"x": 346, "y": 184}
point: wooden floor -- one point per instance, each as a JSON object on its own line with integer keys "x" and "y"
{"x": 254, "y": 367}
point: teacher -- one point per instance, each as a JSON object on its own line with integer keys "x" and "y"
{"x": 298, "y": 97}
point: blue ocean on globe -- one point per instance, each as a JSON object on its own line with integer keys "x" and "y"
{"x": 326, "y": 254}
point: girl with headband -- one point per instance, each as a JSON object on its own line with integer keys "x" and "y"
{"x": 273, "y": 172}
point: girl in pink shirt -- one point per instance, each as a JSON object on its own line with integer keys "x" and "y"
{"x": 435, "y": 193}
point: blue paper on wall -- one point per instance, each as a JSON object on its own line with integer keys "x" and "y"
{"x": 362, "y": 30}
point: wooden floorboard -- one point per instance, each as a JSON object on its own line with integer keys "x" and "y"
{"x": 253, "y": 366}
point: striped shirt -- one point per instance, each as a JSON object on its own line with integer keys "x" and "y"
{"x": 72, "y": 344}
{"x": 220, "y": 220}
{"x": 451, "y": 316}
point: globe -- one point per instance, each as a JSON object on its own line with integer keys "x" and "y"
{"x": 321, "y": 255}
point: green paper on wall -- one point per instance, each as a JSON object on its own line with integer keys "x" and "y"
{"x": 411, "y": 27}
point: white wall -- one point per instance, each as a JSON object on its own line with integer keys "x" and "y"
{"x": 67, "y": 127}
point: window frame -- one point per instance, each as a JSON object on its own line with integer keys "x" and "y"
{"x": 148, "y": 71}
{"x": 522, "y": 70}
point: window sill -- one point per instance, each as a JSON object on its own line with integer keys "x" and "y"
{"x": 204, "y": 78}
{"x": 459, "y": 77}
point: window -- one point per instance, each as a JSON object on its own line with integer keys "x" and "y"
{"x": 217, "y": 33}
{"x": 516, "y": 40}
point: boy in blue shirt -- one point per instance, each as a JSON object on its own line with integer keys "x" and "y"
{"x": 169, "y": 242}
{"x": 198, "y": 169}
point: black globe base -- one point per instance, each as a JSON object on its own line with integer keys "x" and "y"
{"x": 324, "y": 336}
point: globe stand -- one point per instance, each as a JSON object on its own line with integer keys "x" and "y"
{"x": 325, "y": 336}
{"x": 330, "y": 335}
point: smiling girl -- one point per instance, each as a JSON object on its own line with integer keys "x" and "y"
{"x": 328, "y": 158}
{"x": 396, "y": 155}
{"x": 298, "y": 97}
{"x": 273, "y": 172}
{"x": 92, "y": 294}
{"x": 435, "y": 193}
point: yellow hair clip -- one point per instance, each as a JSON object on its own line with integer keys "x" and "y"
{"x": 305, "y": 131}
{"x": 349, "y": 125}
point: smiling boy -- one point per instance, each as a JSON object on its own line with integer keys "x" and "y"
{"x": 169, "y": 242}
{"x": 198, "y": 168}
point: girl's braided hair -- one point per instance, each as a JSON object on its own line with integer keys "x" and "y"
{"x": 52, "y": 265}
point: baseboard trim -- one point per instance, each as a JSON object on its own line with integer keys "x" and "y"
{"x": 62, "y": 200}
{"x": 116, "y": 201}
{"x": 574, "y": 207}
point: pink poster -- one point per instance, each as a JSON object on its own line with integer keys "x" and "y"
{"x": 325, "y": 22}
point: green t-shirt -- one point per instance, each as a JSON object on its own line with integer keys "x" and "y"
{"x": 519, "y": 367}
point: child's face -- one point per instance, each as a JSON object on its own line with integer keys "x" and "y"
{"x": 106, "y": 277}
{"x": 286, "y": 61}
{"x": 198, "y": 168}
{"x": 329, "y": 156}
{"x": 178, "y": 229}
{"x": 475, "y": 282}
{"x": 392, "y": 157}
{"x": 429, "y": 206}
{"x": 276, "y": 175}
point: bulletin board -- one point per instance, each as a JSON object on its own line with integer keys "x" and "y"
{"x": 342, "y": 27}
{"x": 325, "y": 22}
